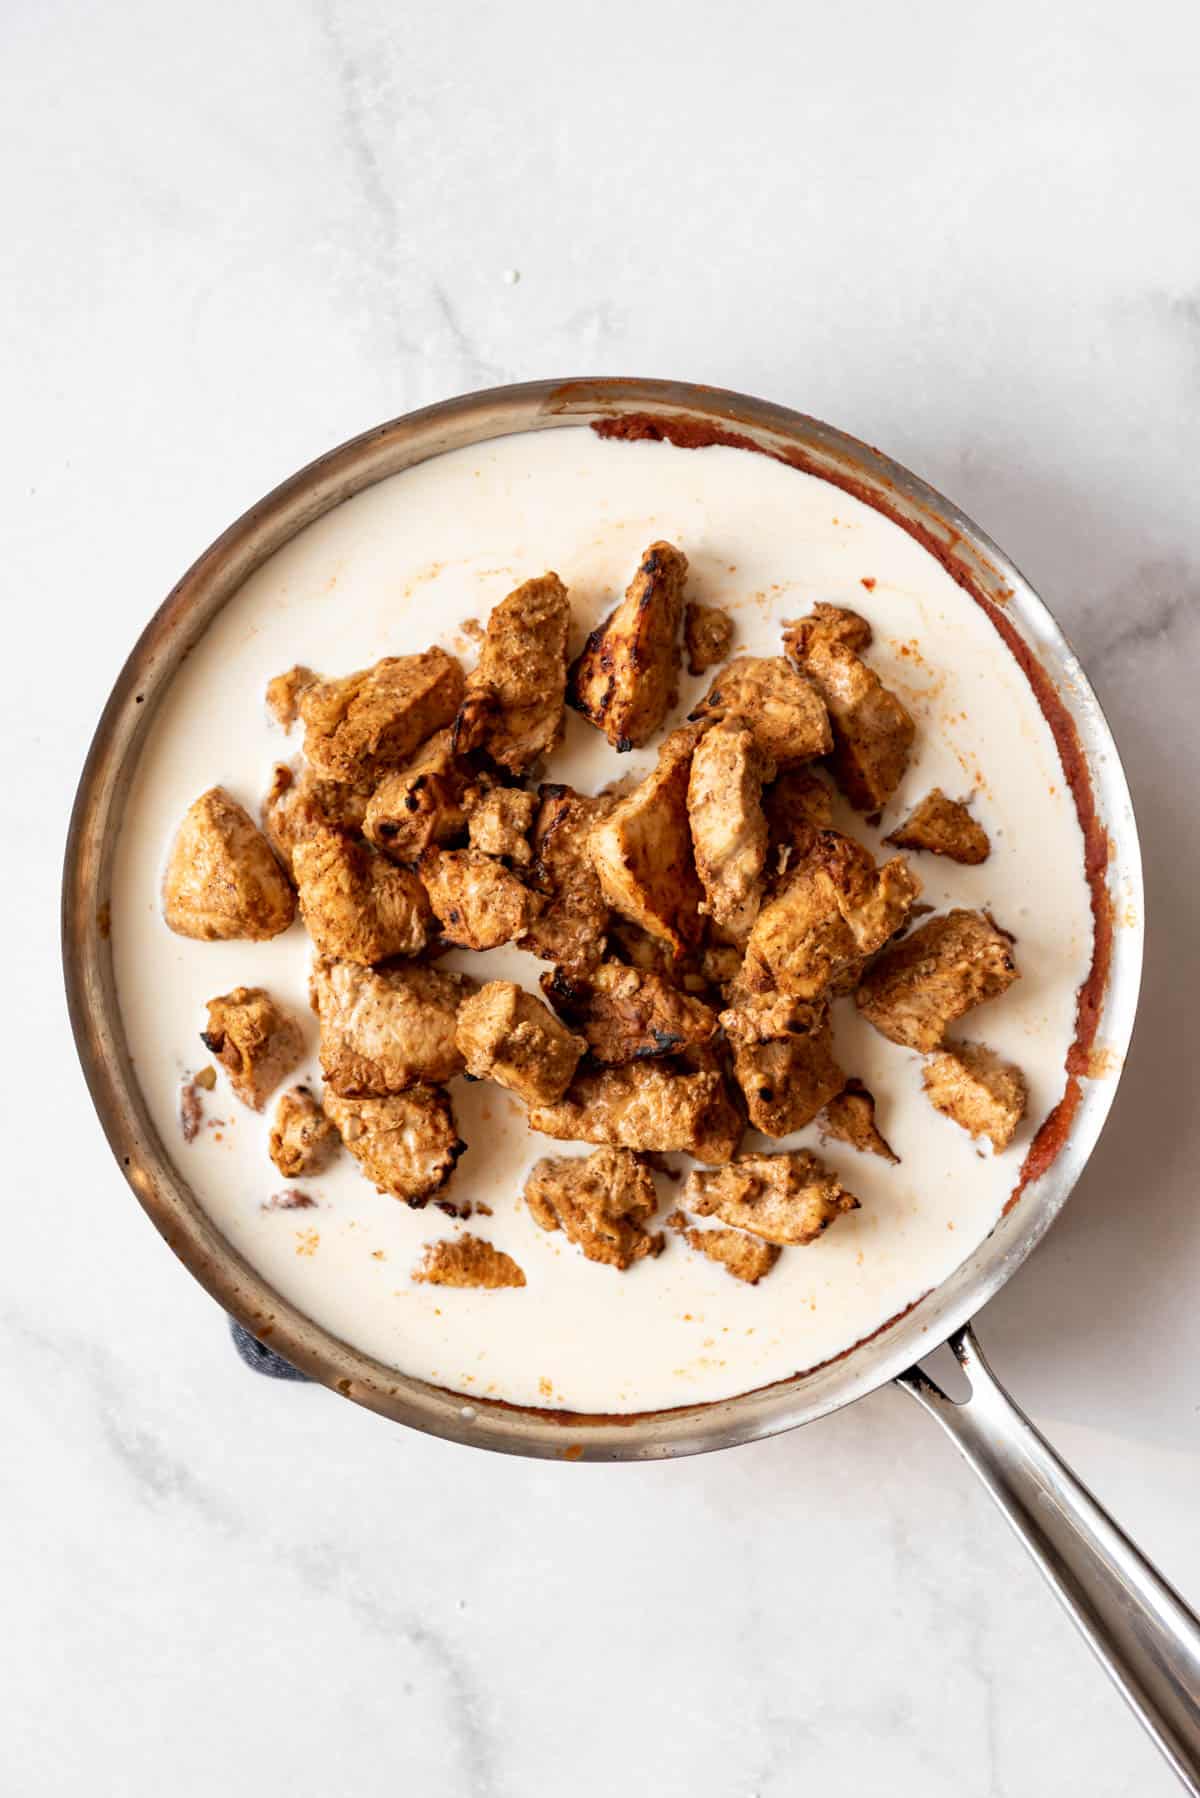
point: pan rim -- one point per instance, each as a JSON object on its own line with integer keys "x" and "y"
{"x": 213, "y": 579}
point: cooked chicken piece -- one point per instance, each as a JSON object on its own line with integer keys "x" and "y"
{"x": 786, "y": 1199}
{"x": 782, "y": 708}
{"x": 255, "y": 1041}
{"x": 478, "y": 902}
{"x": 943, "y": 827}
{"x": 285, "y": 691}
{"x": 625, "y": 679}
{"x": 783, "y": 1060}
{"x": 601, "y": 1203}
{"x": 468, "y": 1261}
{"x": 747, "y": 1258}
{"x": 927, "y": 980}
{"x": 708, "y": 633}
{"x": 506, "y": 1035}
{"x": 513, "y": 704}
{"x": 797, "y": 806}
{"x": 850, "y": 1117}
{"x": 642, "y": 851}
{"x": 872, "y": 731}
{"x": 357, "y": 905}
{"x": 646, "y": 1105}
{"x": 834, "y": 909}
{"x": 299, "y": 805}
{"x": 222, "y": 880}
{"x": 721, "y": 966}
{"x": 499, "y": 824}
{"x": 983, "y": 1094}
{"x": 836, "y": 624}
{"x": 358, "y": 727}
{"x": 406, "y": 1144}
{"x": 571, "y": 929}
{"x": 628, "y": 1014}
{"x": 729, "y": 829}
{"x": 419, "y": 804}
{"x": 302, "y": 1140}
{"x": 386, "y": 1029}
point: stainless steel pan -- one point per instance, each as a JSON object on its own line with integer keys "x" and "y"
{"x": 1146, "y": 1637}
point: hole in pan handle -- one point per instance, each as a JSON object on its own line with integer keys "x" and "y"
{"x": 1140, "y": 1630}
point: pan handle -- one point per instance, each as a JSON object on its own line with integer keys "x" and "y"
{"x": 1143, "y": 1634}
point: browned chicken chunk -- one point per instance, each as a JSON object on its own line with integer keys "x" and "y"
{"x": 285, "y": 691}
{"x": 600, "y": 1202}
{"x": 872, "y": 731}
{"x": 980, "y": 1092}
{"x": 627, "y": 1014}
{"x": 406, "y": 1144}
{"x": 500, "y": 821}
{"x": 786, "y": 1199}
{"x": 419, "y": 804}
{"x": 647, "y": 1105}
{"x": 358, "y": 727}
{"x": 256, "y": 1042}
{"x": 222, "y": 880}
{"x": 468, "y": 1261}
{"x": 943, "y": 826}
{"x": 477, "y": 900}
{"x": 784, "y": 710}
{"x": 624, "y": 681}
{"x": 797, "y": 806}
{"x": 386, "y": 1029}
{"x": 850, "y": 1117}
{"x": 297, "y": 806}
{"x": 747, "y": 1258}
{"x": 929, "y": 979}
{"x": 356, "y": 905}
{"x": 642, "y": 851}
{"x": 513, "y": 705}
{"x": 837, "y": 624}
{"x": 729, "y": 828}
{"x": 571, "y": 929}
{"x": 708, "y": 633}
{"x": 302, "y": 1140}
{"x": 834, "y": 909}
{"x": 506, "y": 1035}
{"x": 783, "y": 1060}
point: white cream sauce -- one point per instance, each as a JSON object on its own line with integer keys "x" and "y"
{"x": 405, "y": 564}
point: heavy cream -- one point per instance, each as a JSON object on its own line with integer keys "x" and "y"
{"x": 406, "y": 564}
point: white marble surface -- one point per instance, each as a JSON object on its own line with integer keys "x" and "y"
{"x": 234, "y": 235}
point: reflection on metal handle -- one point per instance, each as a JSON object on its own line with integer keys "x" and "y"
{"x": 1144, "y": 1635}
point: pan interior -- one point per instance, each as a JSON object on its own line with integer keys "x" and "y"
{"x": 407, "y": 561}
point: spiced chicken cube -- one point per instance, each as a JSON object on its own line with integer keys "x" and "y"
{"x": 513, "y": 703}
{"x": 624, "y": 682}
{"x": 782, "y": 708}
{"x": 600, "y": 1202}
{"x": 386, "y": 1029}
{"x": 980, "y": 1092}
{"x": 787, "y": 1199}
{"x": 302, "y": 1139}
{"x": 358, "y": 906}
{"x": 255, "y": 1040}
{"x": 406, "y": 1144}
{"x": 782, "y": 1060}
{"x": 359, "y": 726}
{"x": 222, "y": 881}
{"x": 934, "y": 976}
{"x": 506, "y": 1035}
{"x": 477, "y": 900}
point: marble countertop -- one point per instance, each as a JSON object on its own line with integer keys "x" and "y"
{"x": 237, "y": 235}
